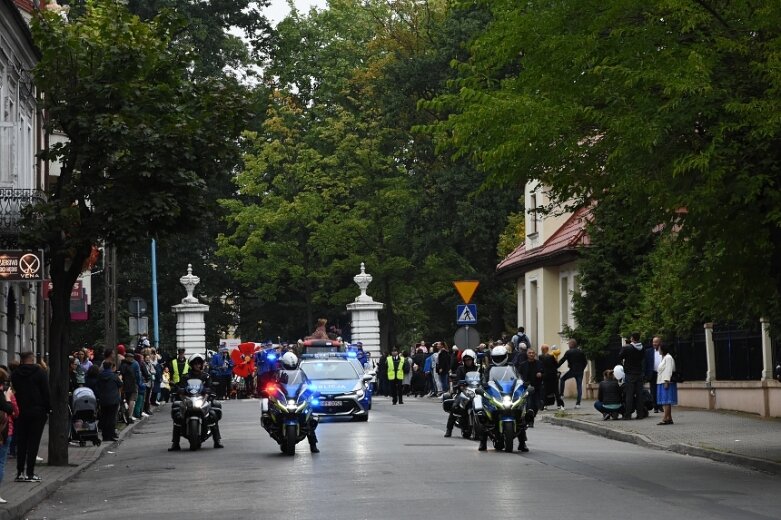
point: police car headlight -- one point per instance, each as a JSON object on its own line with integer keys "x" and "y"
{"x": 360, "y": 393}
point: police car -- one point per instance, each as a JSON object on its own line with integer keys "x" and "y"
{"x": 340, "y": 383}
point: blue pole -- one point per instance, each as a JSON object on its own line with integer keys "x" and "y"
{"x": 156, "y": 331}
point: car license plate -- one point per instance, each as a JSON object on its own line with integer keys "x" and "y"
{"x": 331, "y": 403}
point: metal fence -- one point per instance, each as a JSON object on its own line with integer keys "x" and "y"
{"x": 738, "y": 354}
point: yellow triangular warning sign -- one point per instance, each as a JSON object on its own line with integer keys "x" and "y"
{"x": 466, "y": 288}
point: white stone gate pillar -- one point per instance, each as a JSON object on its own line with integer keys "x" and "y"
{"x": 190, "y": 323}
{"x": 365, "y": 316}
{"x": 710, "y": 353}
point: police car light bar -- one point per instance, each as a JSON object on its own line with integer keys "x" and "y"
{"x": 326, "y": 355}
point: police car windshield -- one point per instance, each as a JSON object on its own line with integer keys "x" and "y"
{"x": 329, "y": 369}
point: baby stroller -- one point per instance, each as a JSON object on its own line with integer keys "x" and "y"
{"x": 84, "y": 417}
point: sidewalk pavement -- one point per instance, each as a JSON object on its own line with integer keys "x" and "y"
{"x": 23, "y": 496}
{"x": 736, "y": 438}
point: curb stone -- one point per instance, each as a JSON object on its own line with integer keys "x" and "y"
{"x": 683, "y": 449}
{"x": 47, "y": 488}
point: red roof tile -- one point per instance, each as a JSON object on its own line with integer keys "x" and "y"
{"x": 571, "y": 235}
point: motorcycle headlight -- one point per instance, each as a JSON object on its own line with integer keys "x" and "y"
{"x": 196, "y": 402}
{"x": 506, "y": 400}
{"x": 469, "y": 393}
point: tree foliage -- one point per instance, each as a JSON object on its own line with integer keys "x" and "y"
{"x": 672, "y": 104}
{"x": 145, "y": 139}
{"x": 336, "y": 176}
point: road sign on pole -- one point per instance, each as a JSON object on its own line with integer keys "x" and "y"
{"x": 466, "y": 288}
{"x": 466, "y": 337}
{"x": 466, "y": 314}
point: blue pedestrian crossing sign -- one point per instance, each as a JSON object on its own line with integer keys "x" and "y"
{"x": 466, "y": 314}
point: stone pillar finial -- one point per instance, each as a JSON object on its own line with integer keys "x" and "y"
{"x": 189, "y": 281}
{"x": 363, "y": 280}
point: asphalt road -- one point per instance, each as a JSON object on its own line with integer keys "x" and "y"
{"x": 399, "y": 466}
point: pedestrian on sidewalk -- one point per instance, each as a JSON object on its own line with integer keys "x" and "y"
{"x": 8, "y": 412}
{"x": 109, "y": 399}
{"x": 633, "y": 359}
{"x": 31, "y": 385}
{"x": 609, "y": 399}
{"x": 129, "y": 386}
{"x": 576, "y": 361}
{"x": 666, "y": 389}
{"x": 550, "y": 378}
{"x": 652, "y": 360}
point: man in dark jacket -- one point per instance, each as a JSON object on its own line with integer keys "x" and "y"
{"x": 107, "y": 393}
{"x": 531, "y": 373}
{"x": 31, "y": 385}
{"x": 576, "y": 360}
{"x": 633, "y": 359}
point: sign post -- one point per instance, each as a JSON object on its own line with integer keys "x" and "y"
{"x": 466, "y": 314}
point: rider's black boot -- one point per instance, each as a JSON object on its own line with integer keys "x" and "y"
{"x": 451, "y": 421}
{"x": 483, "y": 444}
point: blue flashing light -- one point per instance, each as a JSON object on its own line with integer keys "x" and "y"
{"x": 271, "y": 357}
{"x": 352, "y": 354}
{"x": 316, "y": 402}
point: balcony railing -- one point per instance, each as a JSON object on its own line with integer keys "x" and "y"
{"x": 12, "y": 201}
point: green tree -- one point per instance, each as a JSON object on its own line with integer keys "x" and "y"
{"x": 675, "y": 102}
{"x": 144, "y": 141}
{"x": 348, "y": 82}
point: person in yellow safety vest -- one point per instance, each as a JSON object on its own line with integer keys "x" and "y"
{"x": 397, "y": 365}
{"x": 179, "y": 367}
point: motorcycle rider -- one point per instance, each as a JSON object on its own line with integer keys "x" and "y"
{"x": 499, "y": 362}
{"x": 288, "y": 370}
{"x": 195, "y": 364}
{"x": 467, "y": 365}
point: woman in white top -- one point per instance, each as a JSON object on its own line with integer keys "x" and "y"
{"x": 666, "y": 389}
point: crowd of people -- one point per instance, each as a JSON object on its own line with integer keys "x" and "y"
{"x": 428, "y": 370}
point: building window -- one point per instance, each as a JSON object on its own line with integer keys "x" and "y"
{"x": 565, "y": 301}
{"x": 533, "y": 214}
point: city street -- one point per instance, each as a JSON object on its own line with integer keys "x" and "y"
{"x": 398, "y": 465}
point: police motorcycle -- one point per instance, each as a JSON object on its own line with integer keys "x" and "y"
{"x": 459, "y": 403}
{"x": 500, "y": 406}
{"x": 286, "y": 412}
{"x": 196, "y": 413}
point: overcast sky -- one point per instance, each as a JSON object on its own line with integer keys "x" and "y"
{"x": 278, "y": 9}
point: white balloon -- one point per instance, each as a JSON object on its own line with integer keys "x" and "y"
{"x": 618, "y": 371}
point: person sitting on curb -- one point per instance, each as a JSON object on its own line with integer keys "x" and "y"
{"x": 609, "y": 399}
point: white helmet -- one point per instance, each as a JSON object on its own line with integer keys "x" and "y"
{"x": 289, "y": 361}
{"x": 469, "y": 353}
{"x": 499, "y": 355}
{"x": 194, "y": 358}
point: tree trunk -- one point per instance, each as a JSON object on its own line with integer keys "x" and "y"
{"x": 59, "y": 348}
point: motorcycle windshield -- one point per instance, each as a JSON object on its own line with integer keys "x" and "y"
{"x": 194, "y": 387}
{"x": 504, "y": 378}
{"x": 293, "y": 382}
{"x": 472, "y": 379}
